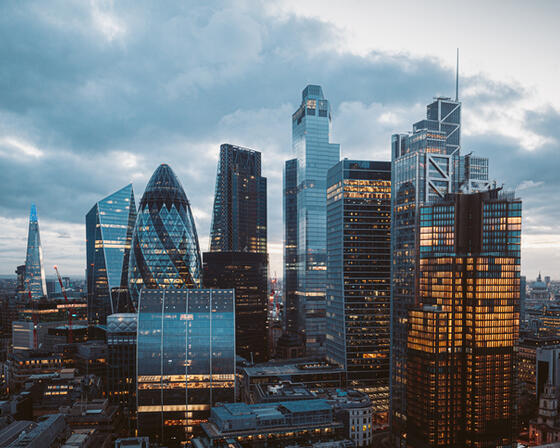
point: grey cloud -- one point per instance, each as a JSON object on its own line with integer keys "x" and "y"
{"x": 172, "y": 83}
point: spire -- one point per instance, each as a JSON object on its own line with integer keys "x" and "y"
{"x": 457, "y": 79}
{"x": 33, "y": 213}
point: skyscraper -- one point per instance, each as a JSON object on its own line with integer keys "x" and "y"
{"x": 34, "y": 280}
{"x": 359, "y": 274}
{"x": 239, "y": 214}
{"x": 185, "y": 359}
{"x": 462, "y": 342}
{"x": 311, "y": 125}
{"x": 109, "y": 227}
{"x": 426, "y": 165}
{"x": 291, "y": 308}
{"x": 238, "y": 255}
{"x": 165, "y": 251}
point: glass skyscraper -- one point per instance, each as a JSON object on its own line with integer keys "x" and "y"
{"x": 359, "y": 275}
{"x": 291, "y": 308}
{"x": 165, "y": 251}
{"x": 424, "y": 167}
{"x": 34, "y": 278}
{"x": 463, "y": 336}
{"x": 238, "y": 255}
{"x": 185, "y": 360}
{"x": 109, "y": 226}
{"x": 311, "y": 126}
{"x": 239, "y": 214}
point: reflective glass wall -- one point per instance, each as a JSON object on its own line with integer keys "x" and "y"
{"x": 186, "y": 359}
{"x": 311, "y": 125}
{"x": 109, "y": 226}
{"x": 165, "y": 251}
{"x": 359, "y": 272}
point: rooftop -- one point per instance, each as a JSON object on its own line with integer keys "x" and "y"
{"x": 293, "y": 367}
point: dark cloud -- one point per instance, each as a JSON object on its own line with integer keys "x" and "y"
{"x": 96, "y": 96}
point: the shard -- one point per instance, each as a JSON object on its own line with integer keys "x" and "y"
{"x": 34, "y": 283}
{"x": 165, "y": 251}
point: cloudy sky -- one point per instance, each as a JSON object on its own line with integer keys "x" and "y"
{"x": 94, "y": 95}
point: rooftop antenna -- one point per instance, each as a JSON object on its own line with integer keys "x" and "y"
{"x": 457, "y": 79}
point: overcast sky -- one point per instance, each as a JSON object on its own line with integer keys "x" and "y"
{"x": 94, "y": 95}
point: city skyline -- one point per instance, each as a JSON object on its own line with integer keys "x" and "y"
{"x": 385, "y": 91}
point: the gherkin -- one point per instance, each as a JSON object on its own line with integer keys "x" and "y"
{"x": 165, "y": 251}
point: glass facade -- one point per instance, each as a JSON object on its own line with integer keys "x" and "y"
{"x": 239, "y": 214}
{"x": 109, "y": 226}
{"x": 359, "y": 273}
{"x": 165, "y": 251}
{"x": 291, "y": 308}
{"x": 462, "y": 343}
{"x": 246, "y": 272}
{"x": 121, "y": 363}
{"x": 34, "y": 279}
{"x": 423, "y": 170}
{"x": 185, "y": 360}
{"x": 311, "y": 125}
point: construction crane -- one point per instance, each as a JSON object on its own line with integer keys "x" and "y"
{"x": 70, "y": 339}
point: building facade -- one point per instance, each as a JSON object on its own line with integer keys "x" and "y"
{"x": 292, "y": 310}
{"x": 359, "y": 274}
{"x": 121, "y": 363}
{"x": 245, "y": 272}
{"x": 239, "y": 214}
{"x": 311, "y": 126}
{"x": 109, "y": 227}
{"x": 292, "y": 423}
{"x": 165, "y": 251}
{"x": 463, "y": 337}
{"x": 185, "y": 360}
{"x": 34, "y": 278}
{"x": 238, "y": 256}
{"x": 426, "y": 165}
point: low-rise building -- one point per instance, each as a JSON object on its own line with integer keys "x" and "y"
{"x": 23, "y": 364}
{"x": 313, "y": 373}
{"x": 49, "y": 431}
{"x": 258, "y": 425}
{"x": 353, "y": 408}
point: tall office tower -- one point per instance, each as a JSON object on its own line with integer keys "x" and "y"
{"x": 165, "y": 251}
{"x": 463, "y": 337}
{"x": 238, "y": 247}
{"x": 121, "y": 363}
{"x": 34, "y": 280}
{"x": 291, "y": 309}
{"x": 426, "y": 165}
{"x": 239, "y": 215}
{"x": 246, "y": 272}
{"x": 109, "y": 226}
{"x": 186, "y": 359}
{"x": 359, "y": 276}
{"x": 311, "y": 126}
